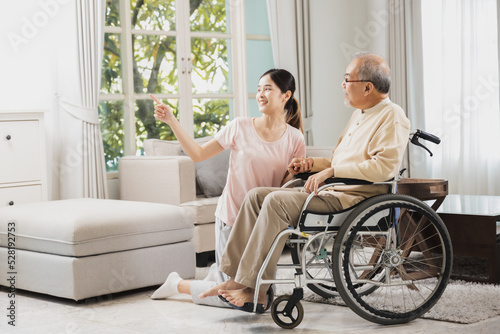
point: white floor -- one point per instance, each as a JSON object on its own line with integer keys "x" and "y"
{"x": 135, "y": 312}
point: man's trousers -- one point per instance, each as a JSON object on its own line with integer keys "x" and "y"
{"x": 266, "y": 212}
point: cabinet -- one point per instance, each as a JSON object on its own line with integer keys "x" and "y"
{"x": 23, "y": 158}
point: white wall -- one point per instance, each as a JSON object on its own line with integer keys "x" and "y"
{"x": 338, "y": 29}
{"x": 38, "y": 45}
{"x": 25, "y": 56}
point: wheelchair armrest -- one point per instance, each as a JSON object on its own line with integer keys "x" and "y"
{"x": 335, "y": 180}
{"x": 346, "y": 181}
{"x": 304, "y": 176}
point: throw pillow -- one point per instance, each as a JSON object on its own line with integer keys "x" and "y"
{"x": 211, "y": 174}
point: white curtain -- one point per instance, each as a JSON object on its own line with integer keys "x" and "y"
{"x": 82, "y": 169}
{"x": 289, "y": 26}
{"x": 405, "y": 62}
{"x": 460, "y": 52}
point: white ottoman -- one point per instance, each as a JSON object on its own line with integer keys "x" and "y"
{"x": 83, "y": 248}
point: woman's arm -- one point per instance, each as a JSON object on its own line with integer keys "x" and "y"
{"x": 297, "y": 165}
{"x": 193, "y": 149}
{"x": 287, "y": 178}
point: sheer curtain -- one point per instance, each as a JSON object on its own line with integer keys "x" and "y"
{"x": 82, "y": 166}
{"x": 405, "y": 62}
{"x": 460, "y": 52}
{"x": 289, "y": 25}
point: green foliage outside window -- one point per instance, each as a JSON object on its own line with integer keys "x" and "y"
{"x": 154, "y": 66}
{"x": 111, "y": 120}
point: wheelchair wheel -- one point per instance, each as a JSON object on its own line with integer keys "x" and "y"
{"x": 400, "y": 247}
{"x": 319, "y": 266}
{"x": 318, "y": 262}
{"x": 286, "y": 320}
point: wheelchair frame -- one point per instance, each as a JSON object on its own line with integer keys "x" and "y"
{"x": 391, "y": 250}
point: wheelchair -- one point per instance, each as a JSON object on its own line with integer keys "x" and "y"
{"x": 388, "y": 257}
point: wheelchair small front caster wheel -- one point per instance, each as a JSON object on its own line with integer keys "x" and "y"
{"x": 284, "y": 318}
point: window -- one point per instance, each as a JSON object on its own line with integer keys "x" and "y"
{"x": 259, "y": 52}
{"x": 189, "y": 54}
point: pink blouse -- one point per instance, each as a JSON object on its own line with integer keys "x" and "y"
{"x": 253, "y": 162}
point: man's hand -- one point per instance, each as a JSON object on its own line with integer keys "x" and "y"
{"x": 317, "y": 180}
{"x": 300, "y": 165}
{"x": 163, "y": 112}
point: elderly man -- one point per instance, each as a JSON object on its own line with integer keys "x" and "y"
{"x": 370, "y": 148}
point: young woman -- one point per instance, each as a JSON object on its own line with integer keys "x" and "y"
{"x": 261, "y": 150}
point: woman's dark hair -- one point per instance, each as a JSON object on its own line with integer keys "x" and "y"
{"x": 286, "y": 82}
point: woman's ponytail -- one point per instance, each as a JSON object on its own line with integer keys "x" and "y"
{"x": 293, "y": 115}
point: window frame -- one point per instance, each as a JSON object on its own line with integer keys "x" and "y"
{"x": 255, "y": 37}
{"x": 183, "y": 35}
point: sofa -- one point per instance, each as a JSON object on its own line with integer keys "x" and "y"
{"x": 166, "y": 175}
{"x": 83, "y": 248}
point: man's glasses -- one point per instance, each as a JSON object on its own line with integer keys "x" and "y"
{"x": 347, "y": 80}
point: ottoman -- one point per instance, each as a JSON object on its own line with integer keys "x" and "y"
{"x": 84, "y": 248}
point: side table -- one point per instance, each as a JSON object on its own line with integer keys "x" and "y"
{"x": 473, "y": 222}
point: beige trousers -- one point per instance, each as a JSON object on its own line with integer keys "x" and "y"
{"x": 266, "y": 212}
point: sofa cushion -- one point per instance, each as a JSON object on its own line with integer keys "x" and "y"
{"x": 211, "y": 174}
{"x": 83, "y": 227}
{"x": 212, "y": 186}
{"x": 167, "y": 147}
{"x": 204, "y": 237}
{"x": 202, "y": 210}
{"x": 161, "y": 147}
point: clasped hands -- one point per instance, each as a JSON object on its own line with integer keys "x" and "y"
{"x": 304, "y": 165}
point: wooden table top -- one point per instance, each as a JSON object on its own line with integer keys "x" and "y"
{"x": 477, "y": 205}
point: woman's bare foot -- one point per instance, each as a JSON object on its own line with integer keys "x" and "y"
{"x": 227, "y": 285}
{"x": 241, "y": 296}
